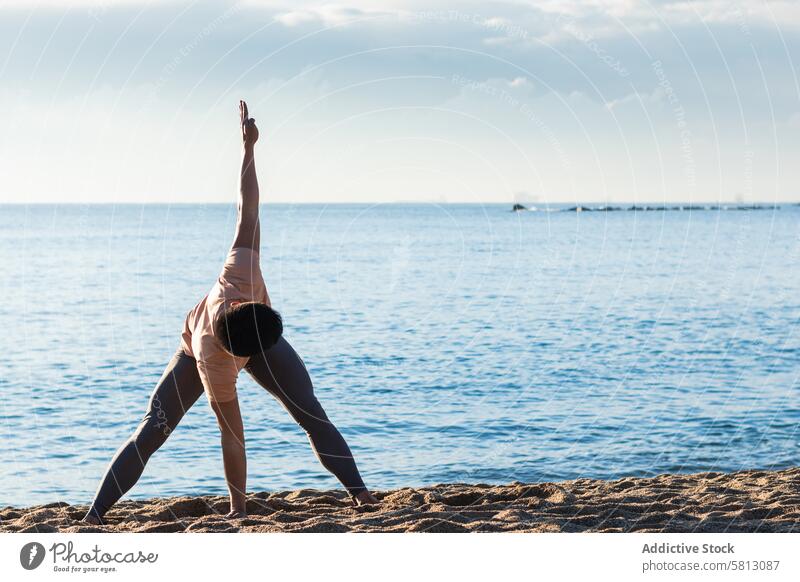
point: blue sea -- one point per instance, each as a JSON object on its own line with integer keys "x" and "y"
{"x": 449, "y": 343}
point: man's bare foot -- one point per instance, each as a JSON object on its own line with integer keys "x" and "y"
{"x": 366, "y": 498}
{"x": 236, "y": 514}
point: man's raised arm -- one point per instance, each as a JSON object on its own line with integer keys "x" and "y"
{"x": 248, "y": 230}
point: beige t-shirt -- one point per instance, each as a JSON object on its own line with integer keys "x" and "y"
{"x": 241, "y": 281}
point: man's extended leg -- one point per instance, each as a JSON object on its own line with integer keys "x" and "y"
{"x": 281, "y": 371}
{"x": 176, "y": 392}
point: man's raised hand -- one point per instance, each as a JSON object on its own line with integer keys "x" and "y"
{"x": 249, "y": 129}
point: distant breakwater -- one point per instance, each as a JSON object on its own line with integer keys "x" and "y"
{"x": 647, "y": 208}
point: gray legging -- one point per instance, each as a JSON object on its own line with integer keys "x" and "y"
{"x": 280, "y": 370}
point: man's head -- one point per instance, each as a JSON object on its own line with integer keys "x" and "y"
{"x": 247, "y": 329}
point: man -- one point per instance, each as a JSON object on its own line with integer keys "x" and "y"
{"x": 234, "y": 327}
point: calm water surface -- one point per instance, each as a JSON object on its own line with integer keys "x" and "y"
{"x": 448, "y": 343}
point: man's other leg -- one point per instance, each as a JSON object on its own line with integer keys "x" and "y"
{"x": 281, "y": 371}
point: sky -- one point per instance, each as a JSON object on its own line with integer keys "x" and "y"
{"x": 387, "y": 101}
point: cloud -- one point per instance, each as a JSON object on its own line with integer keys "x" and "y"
{"x": 654, "y": 97}
{"x": 326, "y": 15}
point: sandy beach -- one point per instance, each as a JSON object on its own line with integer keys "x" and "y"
{"x": 747, "y": 501}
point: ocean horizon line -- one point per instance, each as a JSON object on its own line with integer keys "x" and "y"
{"x": 580, "y": 204}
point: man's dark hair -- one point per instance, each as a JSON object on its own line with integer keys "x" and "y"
{"x": 248, "y": 329}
